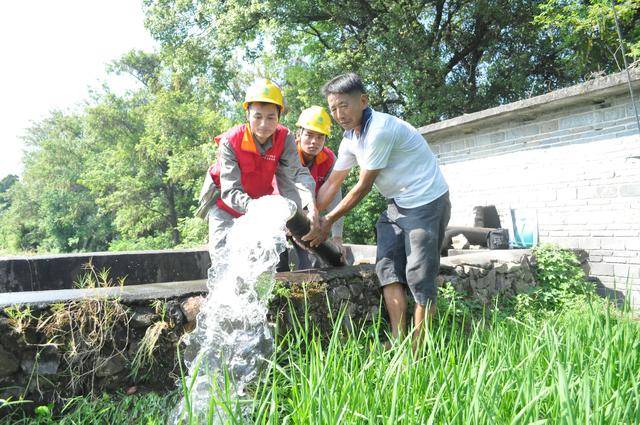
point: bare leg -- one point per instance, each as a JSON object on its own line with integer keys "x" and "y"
{"x": 420, "y": 325}
{"x": 395, "y": 299}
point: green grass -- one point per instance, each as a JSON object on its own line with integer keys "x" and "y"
{"x": 580, "y": 366}
{"x": 142, "y": 409}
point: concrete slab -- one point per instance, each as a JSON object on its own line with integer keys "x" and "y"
{"x": 60, "y": 271}
{"x": 454, "y": 252}
{"x": 126, "y": 293}
{"x": 480, "y": 259}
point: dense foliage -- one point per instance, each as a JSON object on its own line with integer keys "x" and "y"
{"x": 123, "y": 172}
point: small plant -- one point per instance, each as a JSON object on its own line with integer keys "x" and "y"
{"x": 19, "y": 318}
{"x": 88, "y": 328}
{"x": 144, "y": 357}
{"x": 93, "y": 278}
{"x": 282, "y": 291}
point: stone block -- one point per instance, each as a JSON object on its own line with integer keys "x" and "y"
{"x": 630, "y": 190}
{"x": 9, "y": 364}
{"x": 143, "y": 317}
{"x": 573, "y": 121}
{"x": 602, "y": 269}
{"x": 564, "y": 194}
{"x": 340, "y": 293}
{"x": 490, "y": 139}
{"x": 549, "y": 126}
{"x": 613, "y": 243}
{"x": 589, "y": 243}
{"x": 191, "y": 307}
{"x": 607, "y": 191}
{"x": 587, "y": 192}
{"x": 45, "y": 361}
{"x": 621, "y": 271}
{"x": 523, "y": 131}
{"x": 632, "y": 243}
{"x": 614, "y": 113}
{"x": 110, "y": 366}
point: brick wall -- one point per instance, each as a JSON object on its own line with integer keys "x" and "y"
{"x": 570, "y": 164}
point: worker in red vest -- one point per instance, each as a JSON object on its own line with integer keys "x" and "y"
{"x": 249, "y": 156}
{"x": 314, "y": 126}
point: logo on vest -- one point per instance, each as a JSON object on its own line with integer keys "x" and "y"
{"x": 270, "y": 157}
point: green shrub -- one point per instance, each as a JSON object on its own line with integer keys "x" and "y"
{"x": 561, "y": 281}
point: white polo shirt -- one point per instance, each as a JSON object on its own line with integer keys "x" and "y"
{"x": 410, "y": 173}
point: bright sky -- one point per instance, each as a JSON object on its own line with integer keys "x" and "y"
{"x": 52, "y": 53}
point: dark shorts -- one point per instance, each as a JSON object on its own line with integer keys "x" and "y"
{"x": 409, "y": 243}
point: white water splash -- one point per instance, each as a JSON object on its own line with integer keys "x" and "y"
{"x": 232, "y": 335}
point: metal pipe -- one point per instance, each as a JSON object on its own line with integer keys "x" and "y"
{"x": 299, "y": 226}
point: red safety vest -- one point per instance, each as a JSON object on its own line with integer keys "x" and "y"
{"x": 321, "y": 166}
{"x": 256, "y": 171}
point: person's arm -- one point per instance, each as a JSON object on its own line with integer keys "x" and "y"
{"x": 231, "y": 190}
{"x": 355, "y": 195}
{"x": 329, "y": 190}
{"x": 293, "y": 179}
{"x": 336, "y": 228}
{"x": 295, "y": 182}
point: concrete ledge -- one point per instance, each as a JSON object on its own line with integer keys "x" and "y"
{"x": 49, "y": 272}
{"x": 166, "y": 290}
{"x": 59, "y": 272}
{"x": 150, "y": 291}
{"x": 485, "y": 258}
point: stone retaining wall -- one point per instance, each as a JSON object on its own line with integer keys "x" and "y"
{"x": 90, "y": 345}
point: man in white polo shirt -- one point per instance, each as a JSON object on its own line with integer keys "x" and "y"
{"x": 395, "y": 157}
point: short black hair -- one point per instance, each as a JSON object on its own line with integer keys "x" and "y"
{"x": 348, "y": 83}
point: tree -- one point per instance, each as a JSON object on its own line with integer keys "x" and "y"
{"x": 5, "y": 184}
{"x": 50, "y": 209}
{"x": 156, "y": 146}
{"x": 587, "y": 36}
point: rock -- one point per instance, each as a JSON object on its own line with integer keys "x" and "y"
{"x": 110, "y": 366}
{"x": 9, "y": 364}
{"x": 43, "y": 362}
{"x": 502, "y": 268}
{"x": 143, "y": 317}
{"x": 191, "y": 307}
{"x": 373, "y": 313}
{"x": 521, "y": 287}
{"x": 513, "y": 268}
{"x": 356, "y": 290}
{"x": 174, "y": 312}
{"x": 460, "y": 242}
{"x": 340, "y": 293}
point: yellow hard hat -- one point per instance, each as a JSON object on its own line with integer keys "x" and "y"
{"x": 315, "y": 118}
{"x": 263, "y": 91}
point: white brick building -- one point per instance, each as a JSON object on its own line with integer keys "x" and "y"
{"x": 567, "y": 154}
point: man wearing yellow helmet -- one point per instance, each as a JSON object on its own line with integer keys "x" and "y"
{"x": 249, "y": 156}
{"x": 314, "y": 125}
